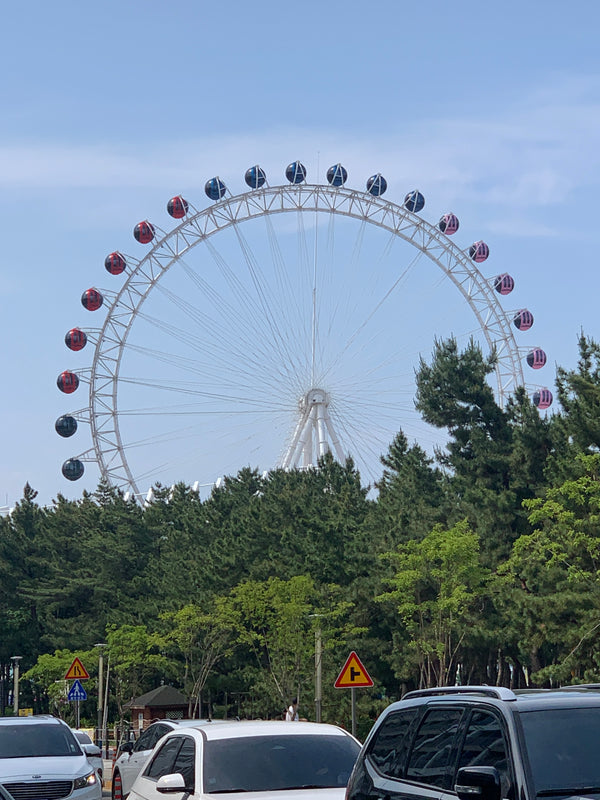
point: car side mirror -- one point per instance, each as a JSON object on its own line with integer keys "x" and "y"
{"x": 92, "y": 750}
{"x": 127, "y": 747}
{"x": 171, "y": 783}
{"x": 478, "y": 783}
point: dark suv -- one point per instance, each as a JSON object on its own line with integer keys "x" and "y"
{"x": 483, "y": 743}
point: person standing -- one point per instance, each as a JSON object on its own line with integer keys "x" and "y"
{"x": 291, "y": 715}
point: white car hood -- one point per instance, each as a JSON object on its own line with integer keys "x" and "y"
{"x": 51, "y": 768}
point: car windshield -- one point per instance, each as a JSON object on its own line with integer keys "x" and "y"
{"x": 36, "y": 741}
{"x": 269, "y": 763}
{"x": 563, "y": 746}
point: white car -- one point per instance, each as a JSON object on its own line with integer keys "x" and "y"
{"x": 133, "y": 756}
{"x": 251, "y": 761}
{"x": 40, "y": 758}
{"x": 93, "y": 752}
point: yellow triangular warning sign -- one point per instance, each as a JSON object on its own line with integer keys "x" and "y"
{"x": 353, "y": 674}
{"x": 77, "y": 672}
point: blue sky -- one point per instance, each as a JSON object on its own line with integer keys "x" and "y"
{"x": 109, "y": 109}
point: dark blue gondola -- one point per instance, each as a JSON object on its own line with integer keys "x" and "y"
{"x": 72, "y": 469}
{"x": 65, "y": 426}
{"x": 255, "y": 177}
{"x": 337, "y": 175}
{"x": 295, "y": 172}
{"x": 215, "y": 188}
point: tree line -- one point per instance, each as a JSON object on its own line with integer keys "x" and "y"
{"x": 475, "y": 564}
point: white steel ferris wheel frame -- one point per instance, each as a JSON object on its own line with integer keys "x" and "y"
{"x": 229, "y": 211}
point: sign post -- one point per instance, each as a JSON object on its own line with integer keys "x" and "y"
{"x": 77, "y": 693}
{"x": 77, "y": 673}
{"x": 353, "y": 675}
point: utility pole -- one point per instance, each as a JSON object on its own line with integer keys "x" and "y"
{"x": 100, "y": 646}
{"x": 15, "y": 660}
{"x": 105, "y": 711}
{"x": 318, "y": 666}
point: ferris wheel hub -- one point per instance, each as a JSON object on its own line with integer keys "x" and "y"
{"x": 313, "y": 397}
{"x": 314, "y": 435}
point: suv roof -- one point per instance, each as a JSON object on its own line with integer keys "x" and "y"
{"x": 587, "y": 694}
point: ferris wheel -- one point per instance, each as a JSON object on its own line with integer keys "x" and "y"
{"x": 276, "y": 325}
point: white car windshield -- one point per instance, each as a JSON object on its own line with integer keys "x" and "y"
{"x": 37, "y": 741}
{"x": 271, "y": 763}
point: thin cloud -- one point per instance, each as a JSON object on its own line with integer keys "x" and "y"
{"x": 537, "y": 153}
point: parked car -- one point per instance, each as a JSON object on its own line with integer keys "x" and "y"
{"x": 483, "y": 742}
{"x": 94, "y": 753}
{"x": 41, "y": 759}
{"x": 132, "y": 756}
{"x": 308, "y": 760}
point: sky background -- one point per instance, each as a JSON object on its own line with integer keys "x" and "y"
{"x": 109, "y": 109}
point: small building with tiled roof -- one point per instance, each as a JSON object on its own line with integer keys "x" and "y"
{"x": 164, "y": 702}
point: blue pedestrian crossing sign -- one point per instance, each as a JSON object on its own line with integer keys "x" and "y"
{"x": 77, "y": 692}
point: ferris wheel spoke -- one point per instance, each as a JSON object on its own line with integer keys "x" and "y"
{"x": 256, "y": 325}
{"x": 285, "y": 287}
{"x": 276, "y": 329}
{"x": 232, "y": 369}
{"x": 189, "y": 441}
{"x": 248, "y": 320}
{"x": 189, "y": 388}
{"x": 242, "y": 348}
{"x": 370, "y": 316}
{"x": 204, "y": 413}
{"x": 247, "y": 323}
{"x": 358, "y": 442}
{"x": 236, "y": 360}
{"x": 210, "y": 326}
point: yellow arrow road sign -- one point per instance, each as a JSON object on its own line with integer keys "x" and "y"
{"x": 353, "y": 674}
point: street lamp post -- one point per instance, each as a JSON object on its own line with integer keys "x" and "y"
{"x": 100, "y": 646}
{"x": 318, "y": 665}
{"x": 15, "y": 660}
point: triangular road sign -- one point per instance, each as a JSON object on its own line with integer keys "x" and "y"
{"x": 77, "y": 692}
{"x": 353, "y": 674}
{"x": 77, "y": 672}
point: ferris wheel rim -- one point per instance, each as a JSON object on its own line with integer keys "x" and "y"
{"x": 144, "y": 273}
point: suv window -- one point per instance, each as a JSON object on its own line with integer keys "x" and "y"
{"x": 164, "y": 760}
{"x": 572, "y": 737}
{"x": 429, "y": 761}
{"x": 484, "y": 745}
{"x": 185, "y": 763}
{"x": 150, "y": 737}
{"x": 389, "y": 747}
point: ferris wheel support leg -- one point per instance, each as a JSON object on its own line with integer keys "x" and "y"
{"x": 301, "y": 447}
{"x": 335, "y": 442}
{"x": 321, "y": 416}
{"x": 307, "y": 450}
{"x": 288, "y": 458}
